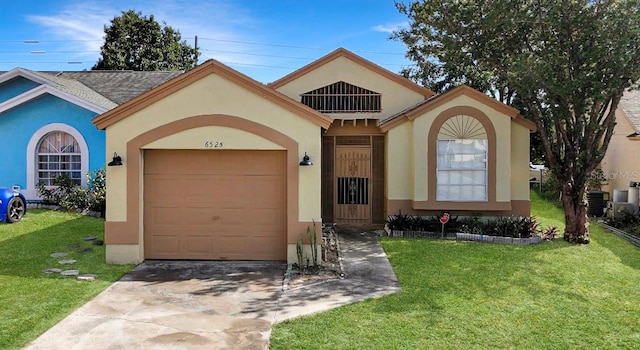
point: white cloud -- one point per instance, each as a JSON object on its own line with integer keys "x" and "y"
{"x": 79, "y": 26}
{"x": 389, "y": 28}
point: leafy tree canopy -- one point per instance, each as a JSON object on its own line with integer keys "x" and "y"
{"x": 564, "y": 63}
{"x": 137, "y": 42}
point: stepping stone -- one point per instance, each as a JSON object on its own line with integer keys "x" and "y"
{"x": 87, "y": 277}
{"x": 98, "y": 242}
{"x": 73, "y": 245}
{"x": 90, "y": 238}
{"x": 84, "y": 250}
{"x": 70, "y": 273}
{"x": 58, "y": 255}
{"x": 67, "y": 262}
{"x": 52, "y": 271}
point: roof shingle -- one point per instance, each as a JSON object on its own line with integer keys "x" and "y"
{"x": 121, "y": 86}
{"x": 630, "y": 105}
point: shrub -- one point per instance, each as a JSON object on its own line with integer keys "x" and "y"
{"x": 400, "y": 222}
{"x": 48, "y": 195}
{"x": 551, "y": 188}
{"x": 511, "y": 226}
{"x": 64, "y": 192}
{"x": 549, "y": 233}
{"x": 429, "y": 224}
{"x": 528, "y": 226}
{"x": 97, "y": 190}
{"x": 68, "y": 195}
{"x": 625, "y": 221}
{"x": 472, "y": 225}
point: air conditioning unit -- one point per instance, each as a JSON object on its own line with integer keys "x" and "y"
{"x": 616, "y": 209}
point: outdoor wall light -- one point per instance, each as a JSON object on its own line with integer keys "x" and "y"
{"x": 306, "y": 161}
{"x": 117, "y": 160}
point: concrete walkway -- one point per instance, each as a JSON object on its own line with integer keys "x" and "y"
{"x": 368, "y": 274}
{"x": 215, "y": 305}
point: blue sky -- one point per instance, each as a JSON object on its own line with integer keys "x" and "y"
{"x": 262, "y": 39}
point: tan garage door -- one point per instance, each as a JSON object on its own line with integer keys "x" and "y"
{"x": 215, "y": 205}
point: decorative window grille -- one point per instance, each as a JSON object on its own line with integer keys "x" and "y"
{"x": 462, "y": 160}
{"x": 59, "y": 154}
{"x": 353, "y": 190}
{"x": 343, "y": 97}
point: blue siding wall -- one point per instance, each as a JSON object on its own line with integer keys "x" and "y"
{"x": 18, "y": 125}
{"x": 15, "y": 87}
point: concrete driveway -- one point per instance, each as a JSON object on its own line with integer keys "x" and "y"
{"x": 177, "y": 305}
{"x": 213, "y": 304}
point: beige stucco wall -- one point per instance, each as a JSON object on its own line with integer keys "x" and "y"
{"x": 399, "y": 160}
{"x": 519, "y": 162}
{"x": 408, "y": 149}
{"x": 123, "y": 253}
{"x": 229, "y": 99}
{"x": 502, "y": 125}
{"x": 207, "y": 96}
{"x": 621, "y": 163}
{"x": 234, "y": 139}
{"x": 395, "y": 97}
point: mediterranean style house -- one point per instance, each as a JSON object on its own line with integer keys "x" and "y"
{"x": 216, "y": 165}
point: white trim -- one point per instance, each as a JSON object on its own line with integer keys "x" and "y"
{"x": 442, "y": 187}
{"x": 30, "y": 191}
{"x": 21, "y": 72}
{"x": 47, "y": 89}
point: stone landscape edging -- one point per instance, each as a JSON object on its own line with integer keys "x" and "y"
{"x": 461, "y": 236}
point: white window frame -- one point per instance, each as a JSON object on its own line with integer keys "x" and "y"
{"x": 462, "y": 170}
{"x": 30, "y": 191}
{"x": 73, "y": 160}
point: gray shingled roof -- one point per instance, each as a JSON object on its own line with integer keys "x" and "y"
{"x": 630, "y": 105}
{"x": 106, "y": 89}
{"x": 77, "y": 89}
{"x": 120, "y": 86}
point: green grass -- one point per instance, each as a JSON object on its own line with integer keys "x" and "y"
{"x": 469, "y": 295}
{"x": 31, "y": 301}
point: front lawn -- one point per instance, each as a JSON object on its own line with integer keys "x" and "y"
{"x": 469, "y": 295}
{"x": 32, "y": 301}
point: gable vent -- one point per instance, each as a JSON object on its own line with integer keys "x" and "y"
{"x": 343, "y": 97}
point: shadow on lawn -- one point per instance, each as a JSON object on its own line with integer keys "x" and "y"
{"x": 628, "y": 253}
{"x": 43, "y": 232}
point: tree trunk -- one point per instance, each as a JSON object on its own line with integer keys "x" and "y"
{"x": 575, "y": 214}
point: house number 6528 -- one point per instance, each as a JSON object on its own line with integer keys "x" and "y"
{"x": 213, "y": 144}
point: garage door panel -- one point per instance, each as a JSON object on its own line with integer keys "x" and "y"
{"x": 232, "y": 217}
{"x": 196, "y": 216}
{"x": 215, "y": 205}
{"x": 194, "y": 187}
{"x": 163, "y": 215}
{"x": 262, "y": 248}
{"x": 199, "y": 245}
{"x": 163, "y": 188}
{"x": 165, "y": 245}
{"x": 266, "y": 217}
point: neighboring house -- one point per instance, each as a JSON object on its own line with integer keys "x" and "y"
{"x": 621, "y": 163}
{"x": 217, "y": 165}
{"x": 45, "y": 121}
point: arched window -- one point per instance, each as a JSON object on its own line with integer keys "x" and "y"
{"x": 462, "y": 160}
{"x": 58, "y": 153}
